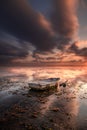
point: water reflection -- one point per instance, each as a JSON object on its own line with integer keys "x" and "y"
{"x": 71, "y": 105}
{"x": 59, "y": 110}
{"x": 44, "y": 72}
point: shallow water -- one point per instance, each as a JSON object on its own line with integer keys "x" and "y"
{"x": 74, "y": 100}
{"x": 44, "y": 72}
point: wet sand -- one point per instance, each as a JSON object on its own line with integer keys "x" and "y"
{"x": 23, "y": 109}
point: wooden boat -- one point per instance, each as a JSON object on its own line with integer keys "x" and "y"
{"x": 45, "y": 84}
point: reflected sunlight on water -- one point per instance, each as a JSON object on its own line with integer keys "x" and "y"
{"x": 45, "y": 72}
{"x": 73, "y": 101}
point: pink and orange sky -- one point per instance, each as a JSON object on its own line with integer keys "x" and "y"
{"x": 37, "y": 32}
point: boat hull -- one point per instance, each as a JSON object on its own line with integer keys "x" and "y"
{"x": 45, "y": 84}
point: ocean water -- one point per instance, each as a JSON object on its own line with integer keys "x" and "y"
{"x": 76, "y": 76}
{"x": 33, "y": 73}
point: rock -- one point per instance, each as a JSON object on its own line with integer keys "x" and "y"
{"x": 56, "y": 109}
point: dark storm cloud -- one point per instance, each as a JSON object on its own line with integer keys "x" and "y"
{"x": 9, "y": 52}
{"x": 64, "y": 19}
{"x": 62, "y": 42}
{"x": 19, "y": 19}
{"x": 80, "y": 52}
{"x": 83, "y": 3}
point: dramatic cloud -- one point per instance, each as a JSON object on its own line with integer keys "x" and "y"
{"x": 80, "y": 51}
{"x": 62, "y": 42}
{"x": 9, "y": 52}
{"x": 81, "y": 44}
{"x": 26, "y": 36}
{"x": 64, "y": 19}
{"x": 18, "y": 18}
{"x": 83, "y": 3}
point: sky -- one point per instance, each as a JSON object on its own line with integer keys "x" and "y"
{"x": 46, "y": 32}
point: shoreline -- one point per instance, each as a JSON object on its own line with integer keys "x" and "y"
{"x": 23, "y": 109}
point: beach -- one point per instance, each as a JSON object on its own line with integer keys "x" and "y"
{"x": 24, "y": 109}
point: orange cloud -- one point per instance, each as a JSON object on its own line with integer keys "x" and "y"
{"x": 81, "y": 44}
{"x": 64, "y": 18}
